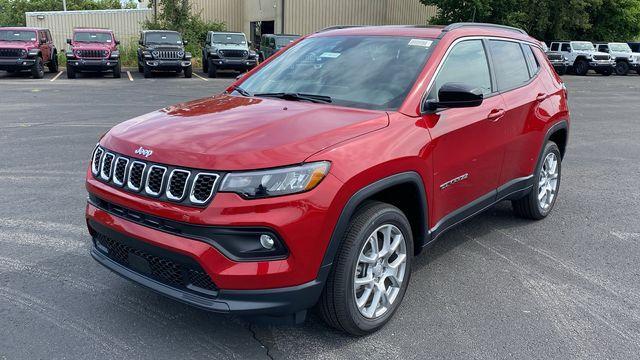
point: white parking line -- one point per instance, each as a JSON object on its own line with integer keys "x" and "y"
{"x": 57, "y": 76}
{"x": 205, "y": 79}
{"x": 129, "y": 75}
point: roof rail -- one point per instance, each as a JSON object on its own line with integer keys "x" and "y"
{"x": 474, "y": 24}
{"x": 338, "y": 27}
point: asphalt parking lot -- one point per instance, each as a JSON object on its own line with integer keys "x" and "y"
{"x": 497, "y": 287}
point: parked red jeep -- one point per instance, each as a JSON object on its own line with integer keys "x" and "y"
{"x": 319, "y": 175}
{"x": 23, "y": 48}
{"x": 93, "y": 50}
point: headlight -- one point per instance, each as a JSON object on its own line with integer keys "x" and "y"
{"x": 146, "y": 54}
{"x": 275, "y": 182}
{"x": 115, "y": 54}
{"x": 155, "y": 54}
{"x": 33, "y": 52}
{"x": 180, "y": 54}
{"x": 566, "y": 58}
{"x": 23, "y": 53}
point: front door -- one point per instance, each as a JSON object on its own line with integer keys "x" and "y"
{"x": 467, "y": 142}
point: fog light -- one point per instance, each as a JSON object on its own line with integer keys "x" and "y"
{"x": 267, "y": 241}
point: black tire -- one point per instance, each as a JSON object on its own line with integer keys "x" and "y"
{"x": 581, "y": 67}
{"x": 562, "y": 70}
{"x": 140, "y": 67}
{"x": 205, "y": 65}
{"x": 147, "y": 72}
{"x": 337, "y": 305}
{"x": 53, "y": 64}
{"x": 638, "y": 71}
{"x": 117, "y": 71}
{"x": 622, "y": 68}
{"x": 213, "y": 70}
{"x": 37, "y": 70}
{"x": 188, "y": 72}
{"x": 71, "y": 72}
{"x": 529, "y": 207}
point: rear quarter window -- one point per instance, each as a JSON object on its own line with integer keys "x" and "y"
{"x": 510, "y": 64}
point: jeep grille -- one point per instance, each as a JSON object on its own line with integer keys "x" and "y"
{"x": 600, "y": 57}
{"x": 96, "y": 54}
{"x": 164, "y": 182}
{"x": 11, "y": 53}
{"x": 168, "y": 55}
{"x": 554, "y": 56}
{"x": 239, "y": 54}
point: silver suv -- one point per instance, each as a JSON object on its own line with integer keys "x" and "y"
{"x": 582, "y": 57}
{"x": 625, "y": 58}
{"x": 227, "y": 51}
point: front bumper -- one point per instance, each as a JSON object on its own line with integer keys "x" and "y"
{"x": 601, "y": 65}
{"x": 234, "y": 64}
{"x": 93, "y": 64}
{"x": 269, "y": 302}
{"x": 16, "y": 64}
{"x": 167, "y": 65}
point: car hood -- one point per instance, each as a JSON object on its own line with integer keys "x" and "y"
{"x": 227, "y": 132}
{"x": 588, "y": 52}
{"x": 231, "y": 47}
{"x": 91, "y": 46}
{"x": 17, "y": 44}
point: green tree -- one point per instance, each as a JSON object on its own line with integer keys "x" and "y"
{"x": 549, "y": 19}
{"x": 12, "y": 11}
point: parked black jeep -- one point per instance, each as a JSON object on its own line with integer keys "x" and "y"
{"x": 272, "y": 43}
{"x": 163, "y": 50}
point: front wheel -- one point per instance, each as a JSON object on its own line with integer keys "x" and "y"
{"x": 370, "y": 272}
{"x": 117, "y": 71}
{"x": 188, "y": 71}
{"x": 37, "y": 70}
{"x": 538, "y": 203}
{"x": 581, "y": 67}
{"x": 212, "y": 70}
{"x": 205, "y": 65}
{"x": 147, "y": 71}
{"x": 71, "y": 72}
{"x": 622, "y": 68}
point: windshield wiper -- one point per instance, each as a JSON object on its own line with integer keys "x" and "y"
{"x": 241, "y": 91}
{"x": 297, "y": 97}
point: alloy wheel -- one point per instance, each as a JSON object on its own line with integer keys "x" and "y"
{"x": 380, "y": 271}
{"x": 548, "y": 182}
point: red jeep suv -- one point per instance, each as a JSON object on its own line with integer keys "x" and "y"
{"x": 93, "y": 50}
{"x": 317, "y": 177}
{"x": 27, "y": 48}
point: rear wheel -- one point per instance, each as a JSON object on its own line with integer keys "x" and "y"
{"x": 581, "y": 67}
{"x": 37, "y": 70}
{"x": 622, "y": 68}
{"x": 538, "y": 203}
{"x": 213, "y": 70}
{"x": 117, "y": 71}
{"x": 188, "y": 71}
{"x": 371, "y": 271}
{"x": 53, "y": 64}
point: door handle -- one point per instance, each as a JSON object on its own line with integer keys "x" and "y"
{"x": 495, "y": 114}
{"x": 541, "y": 97}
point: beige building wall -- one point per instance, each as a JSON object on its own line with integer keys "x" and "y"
{"x": 231, "y": 12}
{"x": 125, "y": 23}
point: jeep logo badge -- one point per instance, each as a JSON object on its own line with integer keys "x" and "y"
{"x": 144, "y": 152}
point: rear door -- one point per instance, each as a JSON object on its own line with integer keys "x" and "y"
{"x": 521, "y": 82}
{"x": 467, "y": 142}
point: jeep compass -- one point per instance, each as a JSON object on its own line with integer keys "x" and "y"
{"x": 315, "y": 179}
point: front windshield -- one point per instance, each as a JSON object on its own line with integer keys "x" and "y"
{"x": 369, "y": 72}
{"x": 164, "y": 38}
{"x": 620, "y": 47}
{"x": 17, "y": 35}
{"x": 583, "y": 45}
{"x": 94, "y": 37}
{"x": 285, "y": 40}
{"x": 236, "y": 39}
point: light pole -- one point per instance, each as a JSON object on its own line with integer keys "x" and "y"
{"x": 64, "y": 5}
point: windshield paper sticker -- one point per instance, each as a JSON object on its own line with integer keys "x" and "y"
{"x": 331, "y": 55}
{"x": 420, "y": 42}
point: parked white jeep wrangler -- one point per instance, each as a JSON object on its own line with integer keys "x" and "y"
{"x": 625, "y": 58}
{"x": 582, "y": 57}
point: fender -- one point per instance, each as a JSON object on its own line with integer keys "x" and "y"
{"x": 561, "y": 124}
{"x": 409, "y": 177}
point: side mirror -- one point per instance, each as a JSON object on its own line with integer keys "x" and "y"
{"x": 455, "y": 95}
{"x": 117, "y": 42}
{"x": 69, "y": 41}
{"x": 140, "y": 42}
{"x": 185, "y": 42}
{"x": 249, "y": 43}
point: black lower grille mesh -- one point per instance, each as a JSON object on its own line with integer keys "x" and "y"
{"x": 165, "y": 270}
{"x": 121, "y": 166}
{"x": 156, "y": 174}
{"x": 177, "y": 184}
{"x": 135, "y": 175}
{"x": 203, "y": 187}
{"x": 96, "y": 159}
{"x": 106, "y": 165}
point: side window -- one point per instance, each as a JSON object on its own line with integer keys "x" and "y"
{"x": 42, "y": 36}
{"x": 466, "y": 63}
{"x": 532, "y": 61}
{"x": 48, "y": 35}
{"x": 510, "y": 65}
{"x": 566, "y": 47}
{"x": 555, "y": 47}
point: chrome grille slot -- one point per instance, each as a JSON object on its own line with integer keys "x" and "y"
{"x": 136, "y": 173}
{"x": 155, "y": 179}
{"x": 107, "y": 166}
{"x": 148, "y": 179}
{"x": 202, "y": 187}
{"x": 177, "y": 185}
{"x": 120, "y": 172}
{"x": 95, "y": 161}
